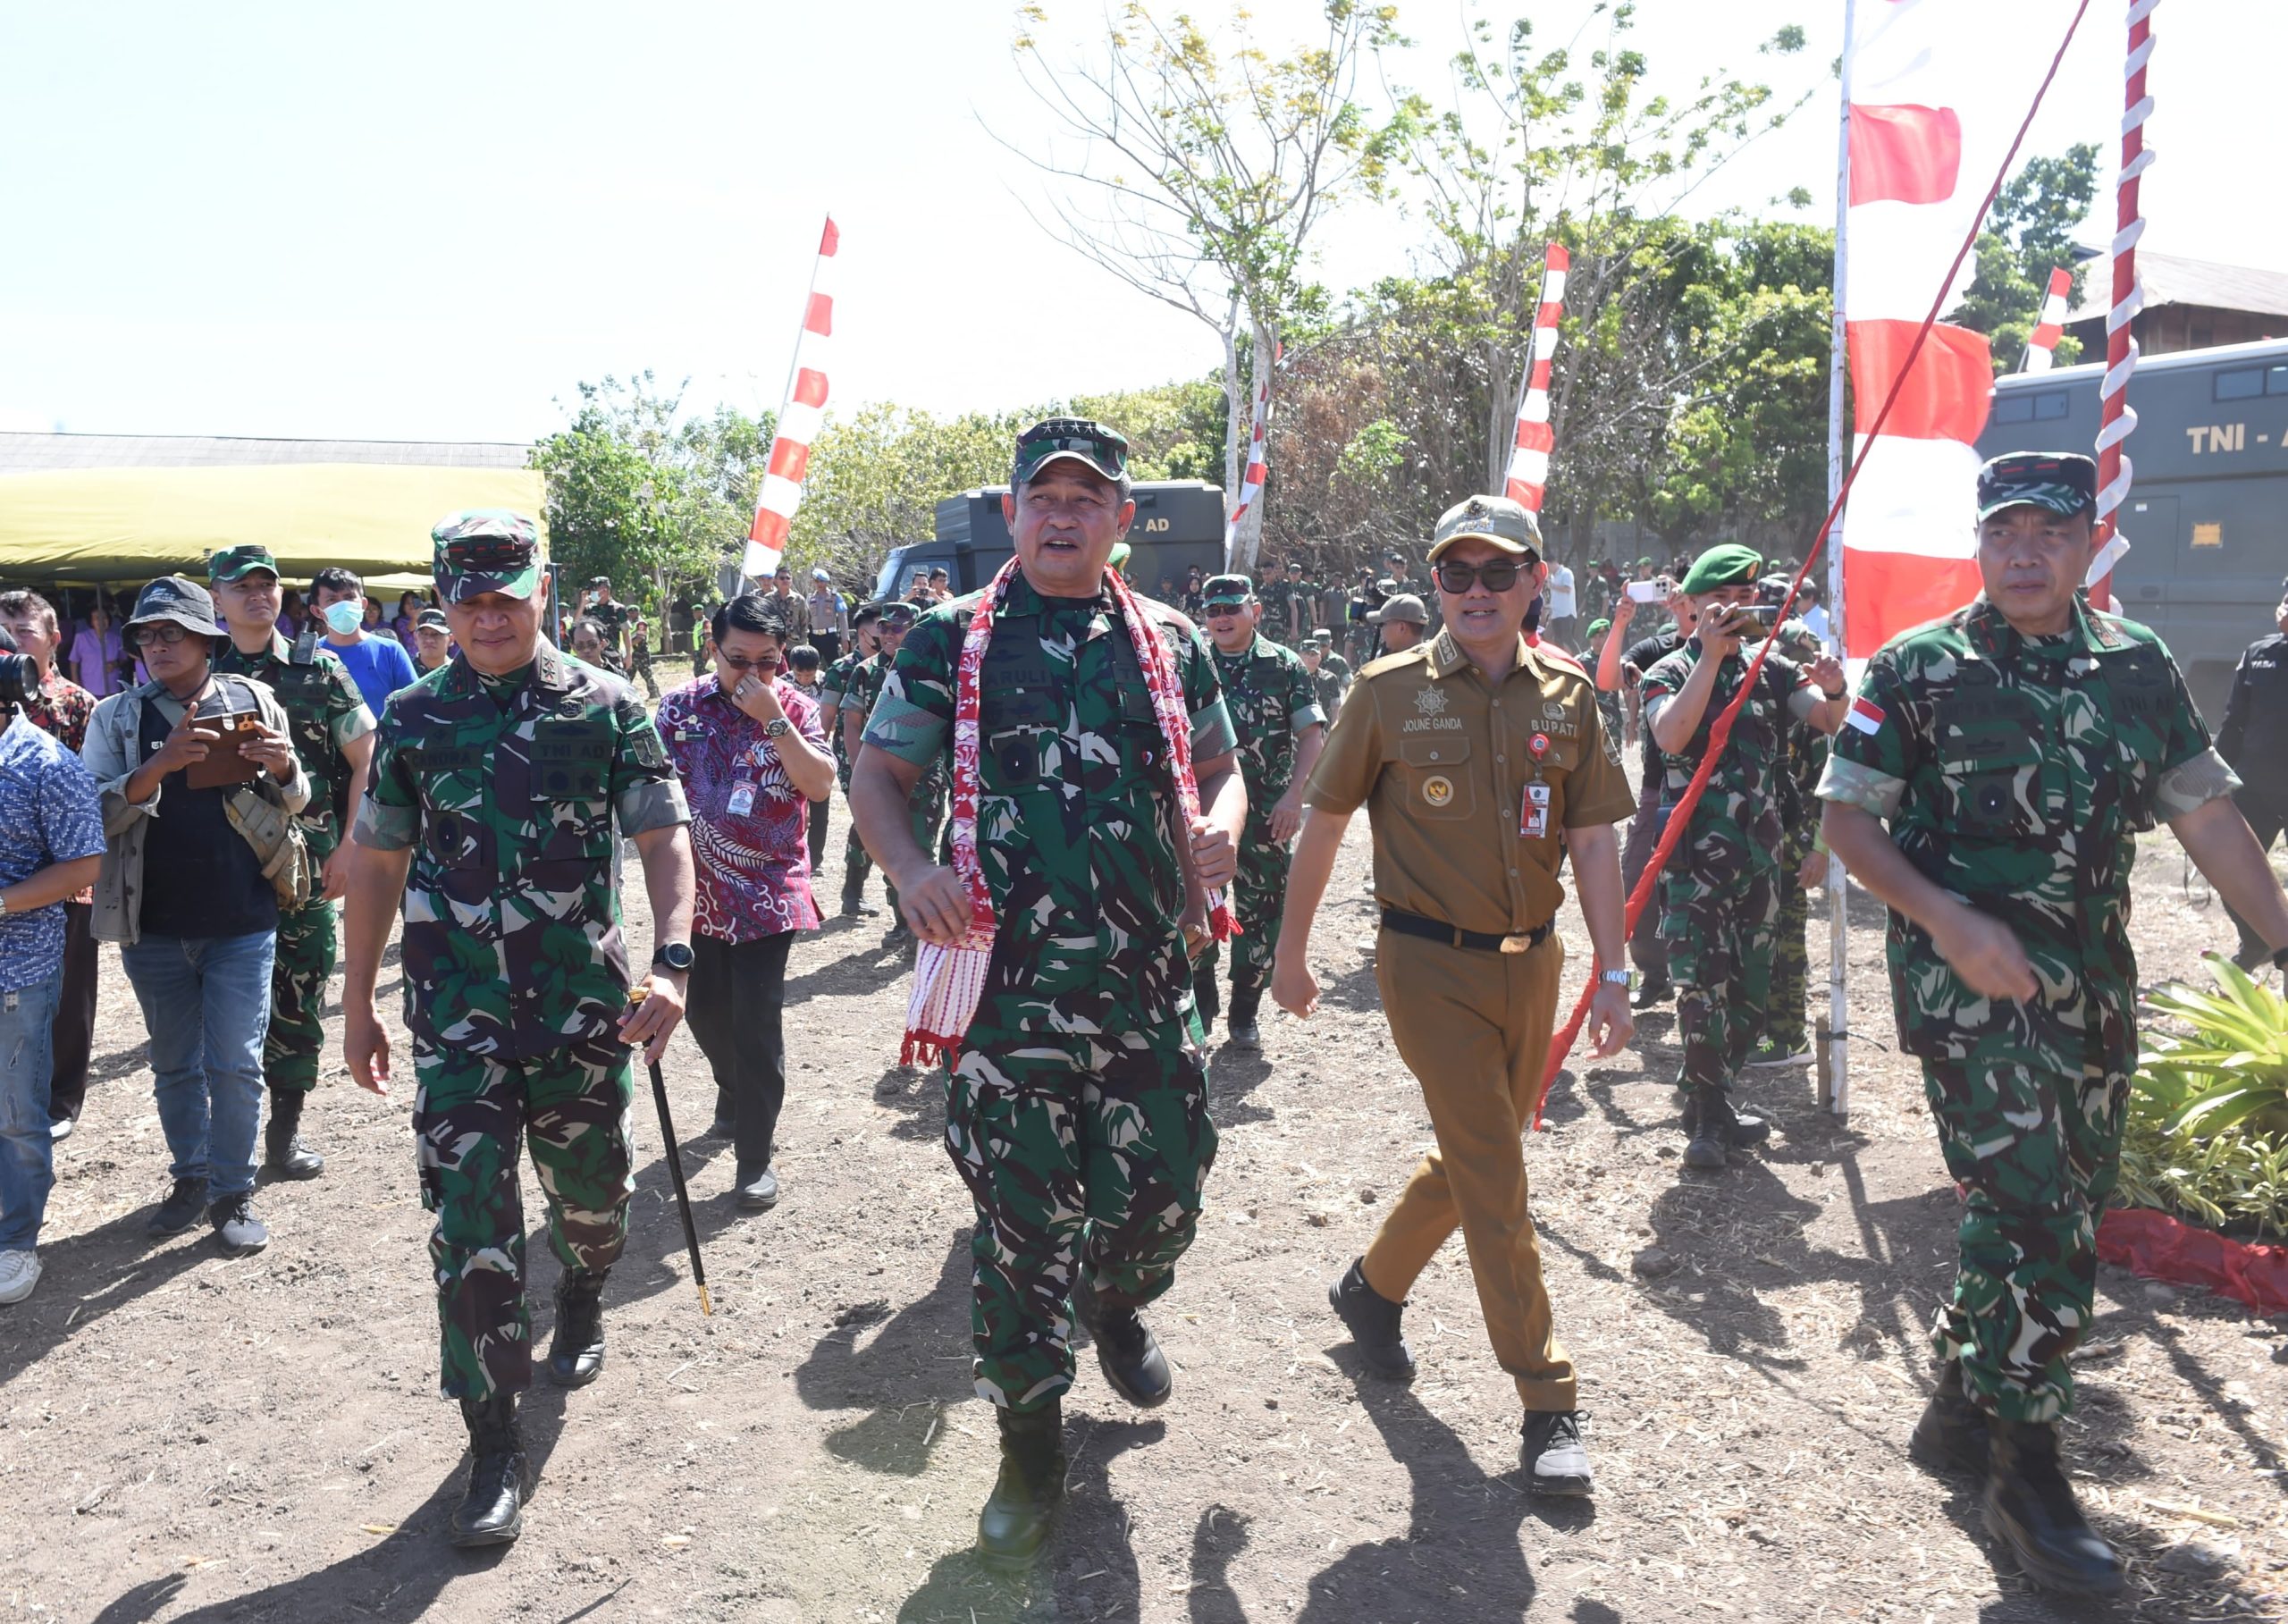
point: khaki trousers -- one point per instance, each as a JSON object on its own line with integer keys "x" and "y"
{"x": 1474, "y": 1028}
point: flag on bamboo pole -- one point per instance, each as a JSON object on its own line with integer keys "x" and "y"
{"x": 800, "y": 414}
{"x": 1529, "y": 454}
{"x": 2041, "y": 343}
{"x": 1258, "y": 460}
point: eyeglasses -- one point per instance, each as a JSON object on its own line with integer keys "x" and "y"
{"x": 1499, "y": 575}
{"x": 760, "y": 663}
{"x": 1107, "y": 451}
{"x": 161, "y": 631}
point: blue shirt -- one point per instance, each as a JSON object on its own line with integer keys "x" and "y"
{"x": 379, "y": 666}
{"x": 53, "y": 814}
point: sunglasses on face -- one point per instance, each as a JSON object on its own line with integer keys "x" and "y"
{"x": 1107, "y": 451}
{"x": 760, "y": 663}
{"x": 1499, "y": 575}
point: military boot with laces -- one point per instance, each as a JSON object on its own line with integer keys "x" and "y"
{"x": 1126, "y": 1351}
{"x": 492, "y": 1509}
{"x": 2030, "y": 1509}
{"x": 1951, "y": 1437}
{"x": 283, "y": 1151}
{"x": 1021, "y": 1511}
{"x": 1708, "y": 1128}
{"x": 576, "y": 1354}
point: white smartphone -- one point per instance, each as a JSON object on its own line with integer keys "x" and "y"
{"x": 1658, "y": 590}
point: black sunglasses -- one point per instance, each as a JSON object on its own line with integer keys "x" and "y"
{"x": 1499, "y": 575}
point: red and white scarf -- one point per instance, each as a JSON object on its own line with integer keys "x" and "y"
{"x": 949, "y": 981}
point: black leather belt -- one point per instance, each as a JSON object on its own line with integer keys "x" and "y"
{"x": 1454, "y": 935}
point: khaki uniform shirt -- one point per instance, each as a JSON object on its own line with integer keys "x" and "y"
{"x": 1471, "y": 783}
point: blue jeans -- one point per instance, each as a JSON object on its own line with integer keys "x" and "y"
{"x": 206, "y": 1004}
{"x": 27, "y": 1147}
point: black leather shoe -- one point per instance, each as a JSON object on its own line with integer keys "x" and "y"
{"x": 576, "y": 1354}
{"x": 1126, "y": 1352}
{"x": 1244, "y": 1033}
{"x": 492, "y": 1511}
{"x": 1708, "y": 1129}
{"x": 185, "y": 1204}
{"x": 2030, "y": 1509}
{"x": 283, "y": 1151}
{"x": 1951, "y": 1434}
{"x": 1372, "y": 1320}
{"x": 1021, "y": 1511}
{"x": 1556, "y": 1463}
{"x": 757, "y": 1191}
{"x": 1653, "y": 989}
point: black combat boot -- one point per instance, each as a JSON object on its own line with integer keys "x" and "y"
{"x": 1206, "y": 995}
{"x": 854, "y": 904}
{"x": 1245, "y": 1002}
{"x": 491, "y": 1513}
{"x": 1747, "y": 1130}
{"x": 1021, "y": 1511}
{"x": 1372, "y": 1319}
{"x": 1709, "y": 1129}
{"x": 283, "y": 1151}
{"x": 1951, "y": 1434}
{"x": 2030, "y": 1509}
{"x": 1131, "y": 1359}
{"x": 576, "y": 1354}
{"x": 1651, "y": 990}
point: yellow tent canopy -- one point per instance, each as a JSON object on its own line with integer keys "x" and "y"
{"x": 128, "y": 524}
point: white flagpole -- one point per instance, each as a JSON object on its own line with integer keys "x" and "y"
{"x": 1838, "y": 448}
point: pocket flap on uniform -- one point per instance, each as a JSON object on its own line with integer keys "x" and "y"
{"x": 1442, "y": 749}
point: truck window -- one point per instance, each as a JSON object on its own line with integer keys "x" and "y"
{"x": 2275, "y": 380}
{"x": 2046, "y": 406}
{"x": 2241, "y": 383}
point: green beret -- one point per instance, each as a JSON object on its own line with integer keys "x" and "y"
{"x": 1727, "y": 565}
{"x": 1598, "y": 626}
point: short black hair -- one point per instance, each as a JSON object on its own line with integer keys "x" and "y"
{"x": 596, "y": 627}
{"x": 941, "y": 570}
{"x": 23, "y": 602}
{"x": 749, "y": 611}
{"x": 803, "y": 657}
{"x": 865, "y": 614}
{"x": 334, "y": 578}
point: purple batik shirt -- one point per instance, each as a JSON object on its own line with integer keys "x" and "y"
{"x": 754, "y": 866}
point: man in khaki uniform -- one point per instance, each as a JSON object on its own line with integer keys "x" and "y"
{"x": 1482, "y": 762}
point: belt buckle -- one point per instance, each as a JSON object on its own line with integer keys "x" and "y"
{"x": 1521, "y": 941}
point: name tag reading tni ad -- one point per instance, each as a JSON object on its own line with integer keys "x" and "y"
{"x": 1533, "y": 823}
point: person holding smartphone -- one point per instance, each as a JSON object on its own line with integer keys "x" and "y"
{"x": 1719, "y": 897}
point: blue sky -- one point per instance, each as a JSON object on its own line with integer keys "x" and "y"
{"x": 428, "y": 220}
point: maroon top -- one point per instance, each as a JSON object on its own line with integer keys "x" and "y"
{"x": 755, "y": 867}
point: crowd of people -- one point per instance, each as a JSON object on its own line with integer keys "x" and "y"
{"x": 1103, "y": 822}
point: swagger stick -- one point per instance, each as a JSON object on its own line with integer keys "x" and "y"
{"x": 637, "y": 995}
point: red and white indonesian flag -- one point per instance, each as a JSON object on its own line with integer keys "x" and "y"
{"x": 2041, "y": 343}
{"x": 1529, "y": 475}
{"x": 1931, "y": 119}
{"x": 800, "y": 416}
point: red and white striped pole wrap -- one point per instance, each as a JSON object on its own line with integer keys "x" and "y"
{"x": 799, "y": 416}
{"x": 1258, "y": 455}
{"x": 1528, "y": 477}
{"x": 2115, "y": 421}
{"x": 2041, "y": 343}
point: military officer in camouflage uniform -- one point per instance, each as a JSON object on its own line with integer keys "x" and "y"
{"x": 834, "y": 694}
{"x": 1330, "y": 671}
{"x": 1275, "y": 711}
{"x": 1078, "y": 1107}
{"x": 2014, "y": 749}
{"x": 1720, "y": 898}
{"x": 496, "y": 783}
{"x": 926, "y": 807}
{"x": 332, "y": 733}
{"x": 1785, "y": 1040}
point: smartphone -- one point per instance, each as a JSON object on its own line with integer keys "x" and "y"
{"x": 1658, "y": 589}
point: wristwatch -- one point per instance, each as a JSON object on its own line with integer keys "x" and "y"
{"x": 774, "y": 727}
{"x": 672, "y": 956}
{"x": 1617, "y": 978}
{"x": 1838, "y": 693}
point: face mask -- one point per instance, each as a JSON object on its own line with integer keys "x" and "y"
{"x": 344, "y": 617}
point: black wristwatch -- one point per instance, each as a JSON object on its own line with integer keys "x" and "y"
{"x": 673, "y": 955}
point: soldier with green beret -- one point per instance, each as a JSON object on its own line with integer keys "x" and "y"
{"x": 496, "y": 783}
{"x": 332, "y": 734}
{"x": 1275, "y": 710}
{"x": 1077, "y": 1106}
{"x": 1720, "y": 898}
{"x": 2016, "y": 748}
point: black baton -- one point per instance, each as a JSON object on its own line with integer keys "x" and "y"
{"x": 675, "y": 1171}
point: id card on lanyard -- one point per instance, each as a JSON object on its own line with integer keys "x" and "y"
{"x": 1533, "y": 820}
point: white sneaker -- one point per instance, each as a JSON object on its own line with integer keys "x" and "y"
{"x": 19, "y": 1274}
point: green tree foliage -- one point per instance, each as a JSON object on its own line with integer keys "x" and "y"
{"x": 2029, "y": 230}
{"x": 637, "y": 492}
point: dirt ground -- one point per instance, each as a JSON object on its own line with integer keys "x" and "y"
{"x": 186, "y": 1437}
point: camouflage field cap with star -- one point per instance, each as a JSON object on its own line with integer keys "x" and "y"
{"x": 483, "y": 550}
{"x": 2061, "y": 482}
{"x": 234, "y": 563}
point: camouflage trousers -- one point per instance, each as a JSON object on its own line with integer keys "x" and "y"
{"x": 308, "y": 946}
{"x": 926, "y": 807}
{"x": 1791, "y": 959}
{"x": 1087, "y": 1157}
{"x": 1718, "y": 940}
{"x": 468, "y": 1114}
{"x": 2039, "y": 1150}
{"x": 857, "y": 861}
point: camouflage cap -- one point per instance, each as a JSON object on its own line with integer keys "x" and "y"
{"x": 897, "y": 614}
{"x": 2062, "y": 482}
{"x": 1056, "y": 439}
{"x": 234, "y": 563}
{"x": 1726, "y": 564}
{"x": 1227, "y": 589}
{"x": 1508, "y": 526}
{"x": 1405, "y": 606}
{"x": 483, "y": 550}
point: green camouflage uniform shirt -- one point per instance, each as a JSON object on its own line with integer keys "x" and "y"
{"x": 323, "y": 712}
{"x": 1076, "y": 812}
{"x": 1271, "y": 699}
{"x": 2013, "y": 772}
{"x": 1738, "y": 824}
{"x": 512, "y": 930}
